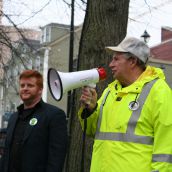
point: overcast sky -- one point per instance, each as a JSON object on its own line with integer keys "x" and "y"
{"x": 148, "y": 15}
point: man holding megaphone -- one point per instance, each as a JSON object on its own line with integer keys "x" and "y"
{"x": 132, "y": 121}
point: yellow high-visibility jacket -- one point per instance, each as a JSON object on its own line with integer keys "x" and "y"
{"x": 128, "y": 140}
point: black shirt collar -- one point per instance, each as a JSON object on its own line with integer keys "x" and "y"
{"x": 21, "y": 107}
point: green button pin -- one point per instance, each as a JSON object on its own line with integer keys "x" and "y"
{"x": 33, "y": 121}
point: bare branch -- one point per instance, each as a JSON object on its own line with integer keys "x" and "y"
{"x": 35, "y": 13}
{"x": 18, "y": 30}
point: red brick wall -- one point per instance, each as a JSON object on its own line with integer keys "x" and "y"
{"x": 166, "y": 34}
{"x": 162, "y": 51}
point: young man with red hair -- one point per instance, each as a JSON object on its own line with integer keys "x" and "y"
{"x": 37, "y": 133}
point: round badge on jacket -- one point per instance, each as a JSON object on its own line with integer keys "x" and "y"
{"x": 33, "y": 121}
{"x": 133, "y": 105}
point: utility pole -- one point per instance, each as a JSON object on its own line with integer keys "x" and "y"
{"x": 71, "y": 45}
{"x": 70, "y": 95}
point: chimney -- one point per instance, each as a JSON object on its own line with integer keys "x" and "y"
{"x": 1, "y": 11}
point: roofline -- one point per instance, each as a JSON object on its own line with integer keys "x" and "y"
{"x": 63, "y": 37}
{"x": 167, "y": 28}
{"x": 160, "y": 61}
{"x": 64, "y": 26}
{"x": 161, "y": 43}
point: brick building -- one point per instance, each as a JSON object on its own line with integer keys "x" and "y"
{"x": 161, "y": 55}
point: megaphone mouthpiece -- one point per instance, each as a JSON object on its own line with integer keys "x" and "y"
{"x": 59, "y": 82}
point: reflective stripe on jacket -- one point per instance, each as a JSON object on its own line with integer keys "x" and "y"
{"x": 127, "y": 140}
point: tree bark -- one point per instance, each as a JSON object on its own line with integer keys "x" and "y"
{"x": 105, "y": 24}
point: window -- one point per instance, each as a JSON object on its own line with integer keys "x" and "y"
{"x": 38, "y": 62}
{"x": 1, "y": 93}
{"x": 46, "y": 33}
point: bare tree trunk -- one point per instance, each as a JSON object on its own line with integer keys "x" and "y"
{"x": 105, "y": 24}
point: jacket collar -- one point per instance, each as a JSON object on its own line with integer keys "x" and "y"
{"x": 148, "y": 75}
{"x": 39, "y": 104}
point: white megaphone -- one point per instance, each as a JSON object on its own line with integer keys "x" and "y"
{"x": 59, "y": 83}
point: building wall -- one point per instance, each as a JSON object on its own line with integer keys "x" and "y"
{"x": 161, "y": 53}
{"x": 53, "y": 32}
{"x": 166, "y": 33}
{"x": 167, "y": 69}
{"x": 57, "y": 33}
{"x": 13, "y": 36}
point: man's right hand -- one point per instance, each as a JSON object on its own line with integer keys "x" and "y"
{"x": 88, "y": 98}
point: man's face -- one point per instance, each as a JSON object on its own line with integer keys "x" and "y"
{"x": 29, "y": 90}
{"x": 119, "y": 66}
